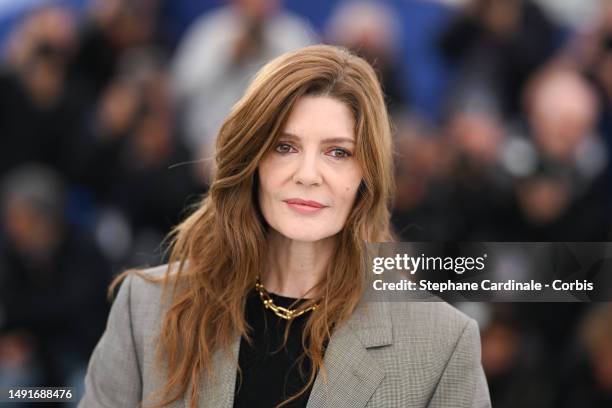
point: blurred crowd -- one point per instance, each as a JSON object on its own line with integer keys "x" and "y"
{"x": 108, "y": 124}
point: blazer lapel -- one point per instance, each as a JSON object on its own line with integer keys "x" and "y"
{"x": 352, "y": 374}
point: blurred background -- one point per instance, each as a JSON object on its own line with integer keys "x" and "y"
{"x": 109, "y": 109}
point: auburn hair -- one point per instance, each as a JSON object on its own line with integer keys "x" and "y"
{"x": 217, "y": 252}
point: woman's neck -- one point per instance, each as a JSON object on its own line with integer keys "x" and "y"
{"x": 295, "y": 267}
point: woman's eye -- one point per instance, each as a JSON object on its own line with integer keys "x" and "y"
{"x": 339, "y": 153}
{"x": 283, "y": 148}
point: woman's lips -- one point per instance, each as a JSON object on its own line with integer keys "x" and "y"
{"x": 305, "y": 206}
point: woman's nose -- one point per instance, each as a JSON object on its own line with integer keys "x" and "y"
{"x": 308, "y": 171}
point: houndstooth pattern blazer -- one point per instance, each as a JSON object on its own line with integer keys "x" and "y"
{"x": 389, "y": 354}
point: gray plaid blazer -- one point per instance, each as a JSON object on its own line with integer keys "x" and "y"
{"x": 389, "y": 354}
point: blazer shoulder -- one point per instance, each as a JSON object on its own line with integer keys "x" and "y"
{"x": 148, "y": 283}
{"x": 437, "y": 323}
{"x": 147, "y": 302}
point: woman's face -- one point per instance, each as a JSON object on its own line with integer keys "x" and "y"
{"x": 308, "y": 182}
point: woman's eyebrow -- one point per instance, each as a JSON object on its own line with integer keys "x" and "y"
{"x": 338, "y": 140}
{"x": 327, "y": 140}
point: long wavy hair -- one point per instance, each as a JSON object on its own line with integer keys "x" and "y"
{"x": 217, "y": 252}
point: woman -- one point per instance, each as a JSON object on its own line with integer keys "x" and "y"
{"x": 262, "y": 302}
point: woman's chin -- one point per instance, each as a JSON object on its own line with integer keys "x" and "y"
{"x": 304, "y": 236}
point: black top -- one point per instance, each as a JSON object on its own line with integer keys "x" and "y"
{"x": 269, "y": 374}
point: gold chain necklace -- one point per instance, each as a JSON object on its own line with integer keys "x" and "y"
{"x": 280, "y": 311}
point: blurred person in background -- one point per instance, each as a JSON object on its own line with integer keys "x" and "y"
{"x": 481, "y": 191}
{"x": 562, "y": 189}
{"x": 133, "y": 158}
{"x": 52, "y": 283}
{"x": 110, "y": 30}
{"x": 39, "y": 112}
{"x": 423, "y": 198}
{"x": 451, "y": 185}
{"x": 50, "y": 24}
{"x": 494, "y": 46}
{"x": 371, "y": 30}
{"x": 219, "y": 54}
{"x": 591, "y": 51}
{"x": 588, "y": 380}
{"x": 513, "y": 356}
